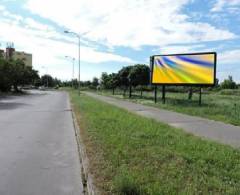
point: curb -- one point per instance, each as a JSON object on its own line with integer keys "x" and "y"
{"x": 87, "y": 178}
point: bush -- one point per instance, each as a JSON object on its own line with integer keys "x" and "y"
{"x": 229, "y": 92}
{"x": 228, "y": 83}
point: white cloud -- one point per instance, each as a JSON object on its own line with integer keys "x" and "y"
{"x": 129, "y": 23}
{"x": 229, "y": 57}
{"x": 36, "y": 38}
{"x": 112, "y": 23}
{"x": 174, "y": 49}
{"x": 228, "y": 64}
{"x": 36, "y": 25}
{"x": 2, "y": 8}
{"x": 223, "y": 5}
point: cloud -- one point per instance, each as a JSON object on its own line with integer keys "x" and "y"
{"x": 2, "y": 8}
{"x": 32, "y": 24}
{"x": 48, "y": 46}
{"x": 174, "y": 49}
{"x": 228, "y": 64}
{"x": 129, "y": 23}
{"x": 229, "y": 57}
{"x": 229, "y": 5}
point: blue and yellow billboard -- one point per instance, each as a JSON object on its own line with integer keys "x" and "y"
{"x": 184, "y": 69}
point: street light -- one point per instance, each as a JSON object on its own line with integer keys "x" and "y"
{"x": 78, "y": 36}
{"x": 79, "y": 64}
{"x": 73, "y": 59}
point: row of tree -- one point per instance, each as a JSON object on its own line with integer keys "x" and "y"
{"x": 15, "y": 74}
{"x": 135, "y": 76}
{"x": 48, "y": 81}
{"x": 139, "y": 76}
{"x": 127, "y": 77}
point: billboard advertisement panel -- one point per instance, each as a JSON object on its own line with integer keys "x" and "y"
{"x": 184, "y": 69}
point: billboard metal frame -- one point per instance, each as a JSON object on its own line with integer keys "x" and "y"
{"x": 184, "y": 84}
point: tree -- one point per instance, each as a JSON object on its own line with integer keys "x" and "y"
{"x": 18, "y": 73}
{"x": 113, "y": 82}
{"x": 139, "y": 76}
{"x": 30, "y": 76}
{"x": 15, "y": 73}
{"x": 109, "y": 81}
{"x": 123, "y": 75}
{"x": 228, "y": 83}
{"x": 47, "y": 81}
{"x": 95, "y": 82}
{"x": 105, "y": 78}
{"x": 5, "y": 75}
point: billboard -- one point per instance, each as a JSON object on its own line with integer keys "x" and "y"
{"x": 184, "y": 69}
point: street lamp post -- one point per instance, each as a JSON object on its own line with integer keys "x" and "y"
{"x": 73, "y": 59}
{"x": 79, "y": 64}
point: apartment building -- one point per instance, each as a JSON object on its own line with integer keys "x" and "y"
{"x": 11, "y": 53}
{"x": 25, "y": 57}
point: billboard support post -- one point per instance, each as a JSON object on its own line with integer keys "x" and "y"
{"x": 163, "y": 94}
{"x": 200, "y": 96}
{"x": 155, "y": 94}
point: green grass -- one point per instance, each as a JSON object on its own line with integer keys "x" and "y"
{"x": 220, "y": 106}
{"x": 130, "y": 154}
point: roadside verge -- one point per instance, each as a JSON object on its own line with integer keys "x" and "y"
{"x": 87, "y": 178}
{"x": 129, "y": 153}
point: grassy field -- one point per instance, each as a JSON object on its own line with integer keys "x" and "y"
{"x": 221, "y": 106}
{"x": 130, "y": 154}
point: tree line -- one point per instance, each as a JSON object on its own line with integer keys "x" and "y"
{"x": 14, "y": 74}
{"x": 138, "y": 77}
{"x": 134, "y": 76}
{"x": 130, "y": 76}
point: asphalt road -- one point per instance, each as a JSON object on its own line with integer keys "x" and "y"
{"x": 214, "y": 130}
{"x": 38, "y": 148}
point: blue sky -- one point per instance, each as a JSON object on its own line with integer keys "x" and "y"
{"x": 120, "y": 32}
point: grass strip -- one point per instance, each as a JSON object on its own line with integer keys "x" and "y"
{"x": 225, "y": 108}
{"x": 130, "y": 154}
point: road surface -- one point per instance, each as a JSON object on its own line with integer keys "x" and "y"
{"x": 38, "y": 148}
{"x": 214, "y": 130}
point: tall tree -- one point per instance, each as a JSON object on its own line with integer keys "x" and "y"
{"x": 113, "y": 81}
{"x": 124, "y": 78}
{"x": 105, "y": 78}
{"x": 95, "y": 82}
{"x": 139, "y": 76}
{"x": 5, "y": 75}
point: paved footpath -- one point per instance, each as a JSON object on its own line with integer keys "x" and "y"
{"x": 218, "y": 131}
{"x": 38, "y": 148}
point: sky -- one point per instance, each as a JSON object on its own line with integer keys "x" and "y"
{"x": 117, "y": 33}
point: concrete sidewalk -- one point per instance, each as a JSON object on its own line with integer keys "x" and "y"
{"x": 218, "y": 131}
